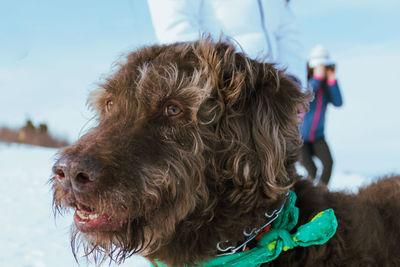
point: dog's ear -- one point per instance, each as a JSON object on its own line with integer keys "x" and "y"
{"x": 274, "y": 101}
{"x": 259, "y": 125}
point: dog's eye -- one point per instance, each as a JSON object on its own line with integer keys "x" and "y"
{"x": 172, "y": 110}
{"x": 109, "y": 104}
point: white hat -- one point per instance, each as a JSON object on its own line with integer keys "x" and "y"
{"x": 319, "y": 55}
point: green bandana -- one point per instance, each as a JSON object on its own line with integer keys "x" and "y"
{"x": 316, "y": 232}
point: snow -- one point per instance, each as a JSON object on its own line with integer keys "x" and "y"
{"x": 30, "y": 236}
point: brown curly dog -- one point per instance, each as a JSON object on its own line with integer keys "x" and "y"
{"x": 194, "y": 144}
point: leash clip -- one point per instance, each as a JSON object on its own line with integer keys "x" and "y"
{"x": 253, "y": 233}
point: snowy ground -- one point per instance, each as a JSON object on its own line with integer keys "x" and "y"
{"x": 30, "y": 236}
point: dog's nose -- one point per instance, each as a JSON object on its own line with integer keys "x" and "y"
{"x": 77, "y": 173}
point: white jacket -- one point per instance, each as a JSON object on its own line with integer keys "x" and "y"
{"x": 265, "y": 29}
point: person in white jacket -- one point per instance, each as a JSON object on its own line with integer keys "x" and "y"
{"x": 266, "y": 30}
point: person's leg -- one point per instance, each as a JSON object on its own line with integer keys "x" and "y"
{"x": 306, "y": 160}
{"x": 321, "y": 150}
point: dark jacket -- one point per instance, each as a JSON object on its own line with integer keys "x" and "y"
{"x": 314, "y": 120}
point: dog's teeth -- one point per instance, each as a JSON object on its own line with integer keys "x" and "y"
{"x": 93, "y": 216}
{"x": 81, "y": 215}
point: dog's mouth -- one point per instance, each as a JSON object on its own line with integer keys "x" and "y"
{"x": 88, "y": 220}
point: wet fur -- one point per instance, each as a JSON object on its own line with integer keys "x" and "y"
{"x": 186, "y": 183}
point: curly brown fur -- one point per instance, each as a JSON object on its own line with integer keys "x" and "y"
{"x": 173, "y": 186}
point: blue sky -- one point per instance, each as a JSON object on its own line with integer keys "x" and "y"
{"x": 53, "y": 53}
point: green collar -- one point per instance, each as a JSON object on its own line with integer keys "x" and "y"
{"x": 316, "y": 232}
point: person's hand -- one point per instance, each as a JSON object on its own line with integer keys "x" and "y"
{"x": 320, "y": 71}
{"x": 330, "y": 74}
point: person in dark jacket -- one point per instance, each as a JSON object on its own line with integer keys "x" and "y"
{"x": 322, "y": 78}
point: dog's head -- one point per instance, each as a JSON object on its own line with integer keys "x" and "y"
{"x": 194, "y": 142}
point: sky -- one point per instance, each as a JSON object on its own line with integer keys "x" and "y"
{"x": 52, "y": 53}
